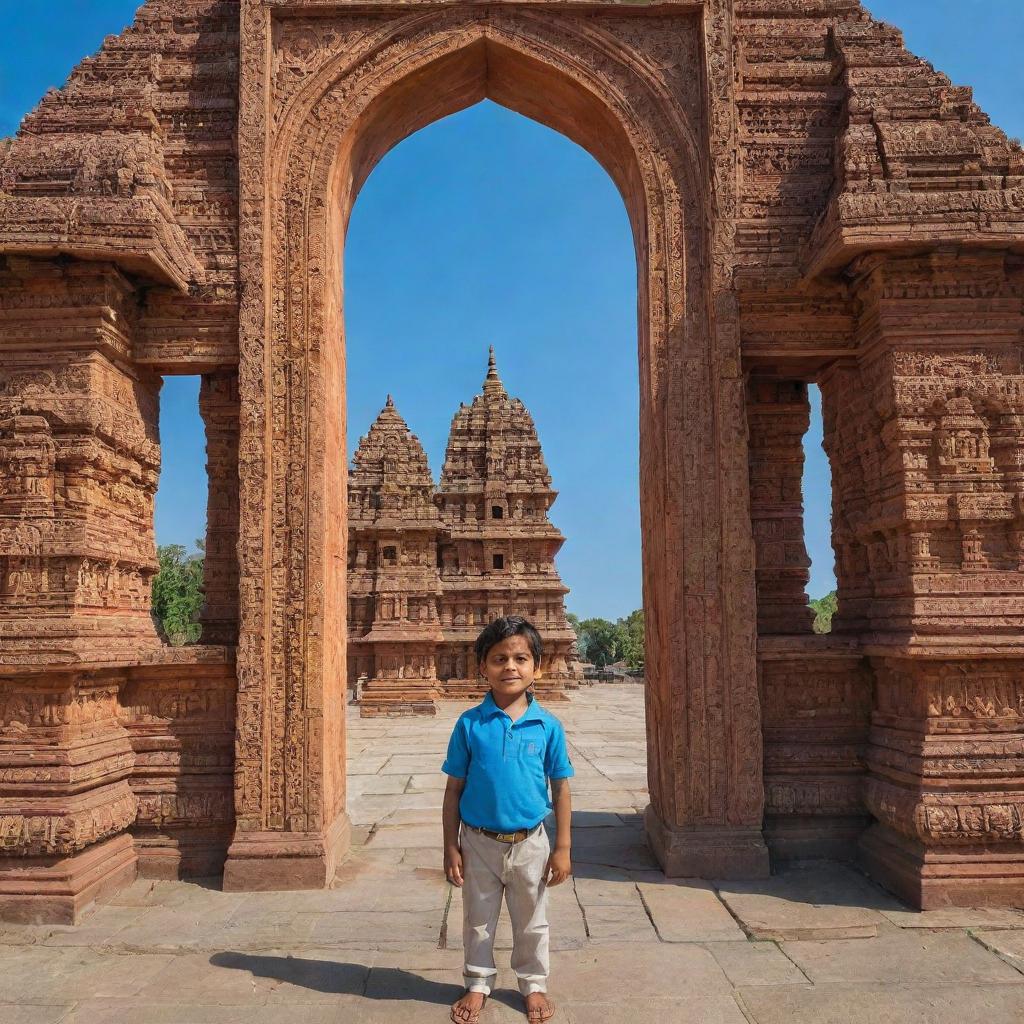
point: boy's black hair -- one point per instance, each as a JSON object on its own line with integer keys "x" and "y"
{"x": 502, "y": 629}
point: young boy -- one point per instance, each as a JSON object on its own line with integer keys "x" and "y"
{"x": 501, "y": 755}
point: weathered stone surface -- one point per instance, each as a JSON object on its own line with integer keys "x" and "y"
{"x": 811, "y": 202}
{"x": 688, "y": 911}
{"x": 367, "y": 949}
{"x": 957, "y": 917}
{"x": 907, "y": 958}
{"x": 612, "y": 976}
{"x": 755, "y": 963}
{"x": 1008, "y": 944}
{"x": 884, "y": 1004}
{"x": 821, "y": 902}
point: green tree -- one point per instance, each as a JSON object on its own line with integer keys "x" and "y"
{"x": 581, "y": 639}
{"x": 178, "y": 594}
{"x": 631, "y": 639}
{"x": 602, "y": 640}
{"x": 824, "y": 608}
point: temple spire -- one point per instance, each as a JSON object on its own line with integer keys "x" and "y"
{"x": 492, "y": 382}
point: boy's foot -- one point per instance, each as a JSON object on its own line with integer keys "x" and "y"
{"x": 539, "y": 1008}
{"x": 467, "y": 1009}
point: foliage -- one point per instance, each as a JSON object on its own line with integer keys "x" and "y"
{"x": 178, "y": 594}
{"x": 824, "y": 608}
{"x": 603, "y": 642}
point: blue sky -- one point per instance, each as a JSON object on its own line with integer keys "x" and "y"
{"x": 486, "y": 228}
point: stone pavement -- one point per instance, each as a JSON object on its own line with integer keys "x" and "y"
{"x": 817, "y": 944}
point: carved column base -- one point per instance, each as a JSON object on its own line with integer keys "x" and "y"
{"x": 712, "y": 852}
{"x": 268, "y": 861}
{"x": 928, "y": 878}
{"x": 55, "y": 890}
{"x": 65, "y": 800}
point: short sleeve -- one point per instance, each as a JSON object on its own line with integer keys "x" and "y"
{"x": 456, "y": 763}
{"x": 556, "y": 757}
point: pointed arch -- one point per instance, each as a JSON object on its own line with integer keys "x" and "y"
{"x": 336, "y": 94}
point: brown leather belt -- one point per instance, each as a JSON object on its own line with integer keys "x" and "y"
{"x": 503, "y": 837}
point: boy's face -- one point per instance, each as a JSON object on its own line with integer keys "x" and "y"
{"x": 509, "y": 667}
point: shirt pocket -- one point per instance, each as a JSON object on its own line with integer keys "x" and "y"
{"x": 531, "y": 753}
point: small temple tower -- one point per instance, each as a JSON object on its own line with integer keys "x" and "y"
{"x": 499, "y": 555}
{"x": 393, "y": 584}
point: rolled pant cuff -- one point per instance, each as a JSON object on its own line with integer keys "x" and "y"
{"x": 527, "y": 988}
{"x": 479, "y": 982}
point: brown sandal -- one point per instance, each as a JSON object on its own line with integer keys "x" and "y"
{"x": 473, "y": 1018}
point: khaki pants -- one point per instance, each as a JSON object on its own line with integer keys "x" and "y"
{"x": 517, "y": 870}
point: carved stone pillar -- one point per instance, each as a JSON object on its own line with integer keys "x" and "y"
{"x": 926, "y": 438}
{"x": 218, "y": 405}
{"x": 65, "y": 802}
{"x": 778, "y": 415}
{"x": 79, "y": 462}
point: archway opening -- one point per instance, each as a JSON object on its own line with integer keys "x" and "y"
{"x": 487, "y": 227}
{"x": 704, "y": 770}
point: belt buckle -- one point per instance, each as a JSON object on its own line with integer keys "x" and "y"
{"x": 505, "y": 837}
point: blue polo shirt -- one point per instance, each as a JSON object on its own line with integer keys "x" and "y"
{"x": 506, "y": 765}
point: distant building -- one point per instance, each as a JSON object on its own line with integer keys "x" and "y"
{"x": 429, "y": 568}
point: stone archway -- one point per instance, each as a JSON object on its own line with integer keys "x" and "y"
{"x": 810, "y": 203}
{"x": 342, "y": 91}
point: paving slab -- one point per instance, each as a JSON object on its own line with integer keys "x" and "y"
{"x": 688, "y": 911}
{"x": 908, "y": 957}
{"x": 122, "y": 1011}
{"x": 625, "y": 979}
{"x": 37, "y": 974}
{"x": 610, "y": 847}
{"x": 755, "y": 963}
{"x": 884, "y": 1004}
{"x": 404, "y": 836}
{"x": 606, "y": 887}
{"x": 823, "y": 901}
{"x": 1008, "y": 944}
{"x": 38, "y": 1013}
{"x": 620, "y": 924}
{"x": 171, "y": 929}
{"x": 411, "y": 764}
{"x": 384, "y": 785}
{"x": 98, "y": 929}
{"x": 956, "y": 917}
{"x": 664, "y": 1011}
{"x": 430, "y": 782}
{"x": 367, "y": 930}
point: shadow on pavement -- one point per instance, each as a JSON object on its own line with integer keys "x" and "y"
{"x": 340, "y": 978}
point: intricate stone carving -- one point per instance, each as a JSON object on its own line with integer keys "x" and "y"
{"x": 181, "y": 722}
{"x": 778, "y": 415}
{"x": 816, "y": 704}
{"x": 810, "y": 202}
{"x": 498, "y": 557}
{"x": 394, "y": 587}
{"x": 218, "y": 404}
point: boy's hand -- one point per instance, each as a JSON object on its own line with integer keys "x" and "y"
{"x": 559, "y": 867}
{"x": 453, "y": 865}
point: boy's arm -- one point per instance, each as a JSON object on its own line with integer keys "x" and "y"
{"x": 450, "y": 825}
{"x": 559, "y": 863}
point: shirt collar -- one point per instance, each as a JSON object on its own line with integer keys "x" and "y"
{"x": 533, "y": 710}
